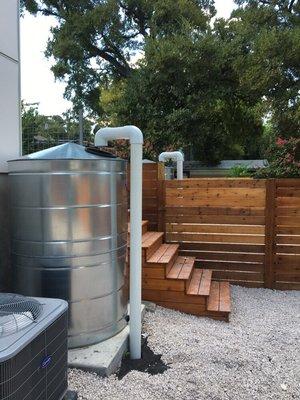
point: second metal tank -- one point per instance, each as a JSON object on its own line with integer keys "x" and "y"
{"x": 69, "y": 236}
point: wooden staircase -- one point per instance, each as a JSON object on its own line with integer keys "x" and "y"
{"x": 172, "y": 281}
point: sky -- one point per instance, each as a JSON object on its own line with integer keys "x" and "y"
{"x": 37, "y": 80}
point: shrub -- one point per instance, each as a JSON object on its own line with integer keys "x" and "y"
{"x": 284, "y": 160}
{"x": 240, "y": 171}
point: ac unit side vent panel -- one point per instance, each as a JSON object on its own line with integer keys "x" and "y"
{"x": 38, "y": 371}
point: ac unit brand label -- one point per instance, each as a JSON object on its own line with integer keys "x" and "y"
{"x": 46, "y": 362}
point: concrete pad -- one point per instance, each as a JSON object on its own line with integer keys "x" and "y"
{"x": 102, "y": 358}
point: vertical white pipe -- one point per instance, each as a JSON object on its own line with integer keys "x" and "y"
{"x": 136, "y": 164}
{"x": 135, "y": 321}
{"x": 179, "y": 169}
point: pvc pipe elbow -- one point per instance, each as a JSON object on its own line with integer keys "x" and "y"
{"x": 129, "y": 132}
{"x": 171, "y": 155}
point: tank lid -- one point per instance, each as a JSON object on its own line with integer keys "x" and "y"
{"x": 67, "y": 151}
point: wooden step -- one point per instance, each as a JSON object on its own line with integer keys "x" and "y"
{"x": 219, "y": 298}
{"x": 200, "y": 283}
{"x": 194, "y": 309}
{"x": 173, "y": 297}
{"x": 151, "y": 241}
{"x": 164, "y": 256}
{"x": 144, "y": 227}
{"x": 182, "y": 268}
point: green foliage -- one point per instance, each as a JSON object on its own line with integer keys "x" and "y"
{"x": 284, "y": 160}
{"x": 41, "y": 131}
{"x": 265, "y": 34}
{"x": 94, "y": 40}
{"x": 203, "y": 85}
{"x": 185, "y": 92}
{"x": 31, "y": 124}
{"x": 240, "y": 171}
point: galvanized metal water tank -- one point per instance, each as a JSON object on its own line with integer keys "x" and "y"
{"x": 69, "y": 236}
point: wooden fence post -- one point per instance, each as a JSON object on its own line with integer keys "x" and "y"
{"x": 160, "y": 197}
{"x": 270, "y": 232}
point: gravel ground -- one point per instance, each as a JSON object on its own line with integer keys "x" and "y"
{"x": 255, "y": 356}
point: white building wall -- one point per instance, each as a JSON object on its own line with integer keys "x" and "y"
{"x": 10, "y": 143}
{"x": 9, "y": 82}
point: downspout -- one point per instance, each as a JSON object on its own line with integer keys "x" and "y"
{"x": 175, "y": 156}
{"x": 135, "y": 136}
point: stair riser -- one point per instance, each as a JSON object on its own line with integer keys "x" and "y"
{"x": 163, "y": 285}
{"x": 147, "y": 253}
{"x": 173, "y": 297}
{"x": 171, "y": 262}
{"x": 189, "y": 280}
{"x": 194, "y": 309}
{"x": 144, "y": 228}
{"x": 154, "y": 273}
{"x": 219, "y": 316}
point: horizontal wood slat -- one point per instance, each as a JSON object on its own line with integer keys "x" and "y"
{"x": 288, "y": 201}
{"x": 219, "y": 256}
{"x": 216, "y": 183}
{"x": 209, "y": 237}
{"x": 216, "y": 228}
{"x": 229, "y": 265}
{"x": 218, "y": 198}
{"x": 288, "y": 211}
{"x": 228, "y": 247}
{"x": 216, "y": 219}
{"x": 287, "y": 249}
{"x": 288, "y": 221}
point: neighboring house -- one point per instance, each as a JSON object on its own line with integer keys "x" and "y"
{"x": 195, "y": 169}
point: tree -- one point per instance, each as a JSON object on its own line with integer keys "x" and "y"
{"x": 201, "y": 85}
{"x": 266, "y": 34}
{"x": 31, "y": 124}
{"x": 41, "y": 131}
{"x": 94, "y": 40}
{"x": 186, "y": 93}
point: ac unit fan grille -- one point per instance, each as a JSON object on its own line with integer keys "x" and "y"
{"x": 17, "y": 312}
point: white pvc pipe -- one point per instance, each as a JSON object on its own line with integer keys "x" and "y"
{"x": 135, "y": 137}
{"x": 175, "y": 156}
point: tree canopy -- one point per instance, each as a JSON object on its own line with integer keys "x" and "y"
{"x": 266, "y": 35}
{"x": 200, "y": 83}
{"x": 94, "y": 40}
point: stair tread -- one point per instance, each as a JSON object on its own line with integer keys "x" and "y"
{"x": 200, "y": 283}
{"x": 182, "y": 268}
{"x": 143, "y": 224}
{"x": 219, "y": 298}
{"x": 164, "y": 254}
{"x": 149, "y": 238}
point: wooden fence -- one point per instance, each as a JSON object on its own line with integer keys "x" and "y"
{"x": 247, "y": 231}
{"x": 286, "y": 241}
